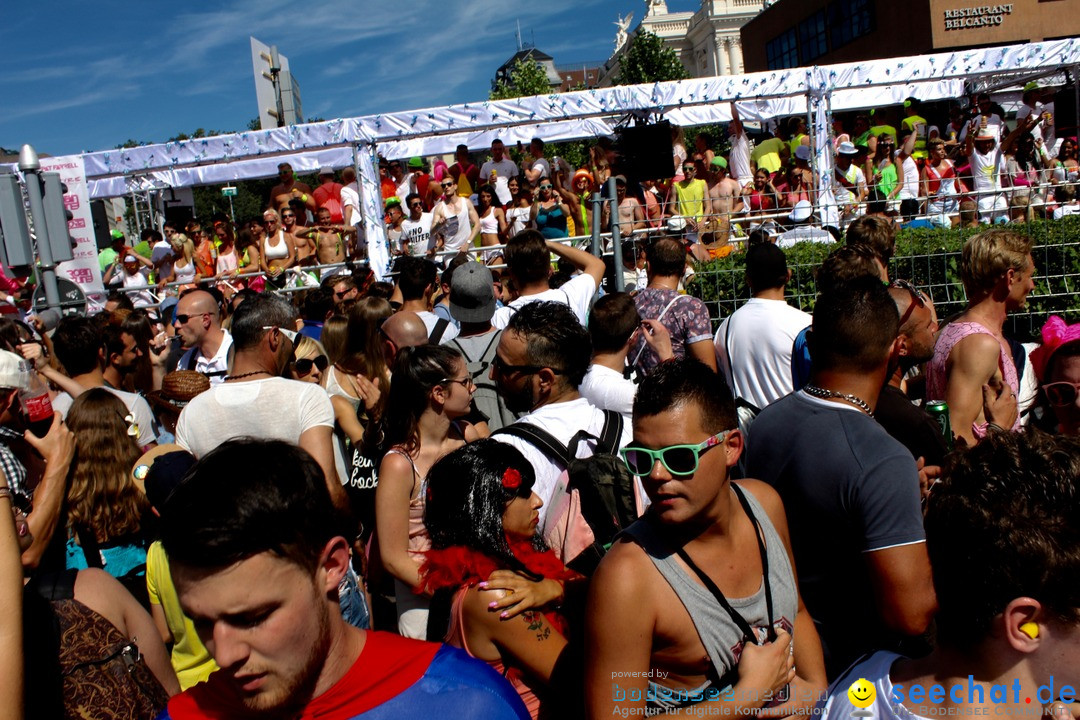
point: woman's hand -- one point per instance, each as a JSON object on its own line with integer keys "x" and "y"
{"x": 368, "y": 392}
{"x": 521, "y": 593}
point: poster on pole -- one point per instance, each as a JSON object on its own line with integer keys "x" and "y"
{"x": 84, "y": 270}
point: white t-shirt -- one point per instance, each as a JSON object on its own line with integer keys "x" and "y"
{"x": 350, "y": 197}
{"x": 269, "y": 409}
{"x": 563, "y": 420}
{"x": 609, "y": 390}
{"x": 430, "y": 319}
{"x": 140, "y": 410}
{"x": 875, "y": 669}
{"x": 543, "y": 166}
{"x": 755, "y": 356}
{"x": 504, "y": 170}
{"x": 856, "y": 177}
{"x": 577, "y": 293}
{"x": 140, "y": 298}
{"x": 456, "y": 230}
{"x": 417, "y": 234}
{"x": 740, "y": 159}
{"x": 162, "y": 252}
{"x": 803, "y": 233}
{"x": 216, "y": 367}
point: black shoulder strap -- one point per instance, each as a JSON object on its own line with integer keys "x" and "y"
{"x": 611, "y": 434}
{"x": 193, "y": 357}
{"x": 89, "y": 544}
{"x": 438, "y": 330}
{"x": 55, "y": 585}
{"x": 542, "y": 440}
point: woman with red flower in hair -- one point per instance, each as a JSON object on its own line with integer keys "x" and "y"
{"x": 501, "y": 583}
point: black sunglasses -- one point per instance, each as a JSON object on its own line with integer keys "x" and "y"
{"x": 303, "y": 366}
{"x": 502, "y": 367}
{"x": 182, "y": 319}
{"x": 21, "y": 502}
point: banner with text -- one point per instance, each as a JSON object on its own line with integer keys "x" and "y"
{"x": 84, "y": 269}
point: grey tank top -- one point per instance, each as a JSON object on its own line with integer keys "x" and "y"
{"x": 722, "y": 638}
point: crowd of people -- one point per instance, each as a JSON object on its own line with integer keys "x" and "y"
{"x": 514, "y": 492}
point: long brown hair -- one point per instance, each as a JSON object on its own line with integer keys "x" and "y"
{"x": 101, "y": 495}
{"x": 363, "y": 346}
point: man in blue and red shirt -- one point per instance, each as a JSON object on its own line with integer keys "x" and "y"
{"x": 257, "y": 550}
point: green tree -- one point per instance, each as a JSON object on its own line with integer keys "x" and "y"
{"x": 527, "y": 77}
{"x": 648, "y": 59}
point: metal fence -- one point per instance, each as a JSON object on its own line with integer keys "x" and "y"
{"x": 931, "y": 260}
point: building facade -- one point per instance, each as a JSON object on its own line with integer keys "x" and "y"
{"x": 707, "y": 41}
{"x": 795, "y": 33}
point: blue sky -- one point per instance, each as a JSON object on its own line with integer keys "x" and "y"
{"x": 87, "y": 76}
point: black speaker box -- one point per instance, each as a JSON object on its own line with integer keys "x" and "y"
{"x": 645, "y": 151}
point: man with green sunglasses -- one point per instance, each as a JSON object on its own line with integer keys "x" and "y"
{"x": 697, "y": 603}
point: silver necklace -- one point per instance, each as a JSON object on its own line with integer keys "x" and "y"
{"x": 820, "y": 392}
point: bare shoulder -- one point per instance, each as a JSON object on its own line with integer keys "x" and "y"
{"x": 764, "y": 493}
{"x": 976, "y": 354}
{"x": 102, "y": 593}
{"x": 625, "y": 568}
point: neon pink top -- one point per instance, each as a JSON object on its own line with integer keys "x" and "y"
{"x": 455, "y": 636}
{"x": 950, "y": 335}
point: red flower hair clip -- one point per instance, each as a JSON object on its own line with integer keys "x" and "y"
{"x": 511, "y": 479}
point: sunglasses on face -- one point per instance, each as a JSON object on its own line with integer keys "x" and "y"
{"x": 304, "y": 365}
{"x": 502, "y": 367}
{"x": 676, "y": 459}
{"x": 545, "y": 187}
{"x": 1061, "y": 394}
{"x": 288, "y": 215}
{"x": 182, "y": 319}
{"x": 416, "y": 204}
{"x": 447, "y": 184}
{"x": 21, "y": 503}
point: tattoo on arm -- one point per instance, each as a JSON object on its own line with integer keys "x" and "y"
{"x": 536, "y": 623}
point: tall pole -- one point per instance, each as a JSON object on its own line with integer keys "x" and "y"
{"x": 616, "y": 241}
{"x": 31, "y": 168}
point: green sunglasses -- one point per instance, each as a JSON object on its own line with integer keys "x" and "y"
{"x": 677, "y": 459}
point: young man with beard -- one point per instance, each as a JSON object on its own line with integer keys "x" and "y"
{"x": 257, "y": 569}
{"x": 658, "y": 604}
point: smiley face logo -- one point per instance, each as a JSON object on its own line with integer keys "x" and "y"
{"x": 861, "y": 693}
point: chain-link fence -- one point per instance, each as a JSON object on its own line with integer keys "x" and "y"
{"x": 930, "y": 258}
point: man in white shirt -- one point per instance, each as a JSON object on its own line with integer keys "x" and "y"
{"x": 613, "y": 323}
{"x": 849, "y": 181}
{"x": 538, "y": 167}
{"x": 541, "y": 360}
{"x": 753, "y": 345}
{"x": 255, "y": 401}
{"x": 987, "y": 158}
{"x": 80, "y": 347}
{"x": 503, "y": 169}
{"x": 528, "y": 262}
{"x": 454, "y": 218}
{"x": 416, "y": 229}
{"x": 198, "y": 324}
{"x": 350, "y": 204}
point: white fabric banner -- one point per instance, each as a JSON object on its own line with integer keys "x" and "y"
{"x": 83, "y": 270}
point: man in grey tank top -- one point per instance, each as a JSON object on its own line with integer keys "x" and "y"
{"x": 697, "y": 602}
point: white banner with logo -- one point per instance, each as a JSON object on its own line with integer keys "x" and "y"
{"x": 84, "y": 270}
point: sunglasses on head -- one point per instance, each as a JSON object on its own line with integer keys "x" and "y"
{"x": 304, "y": 365}
{"x": 917, "y": 299}
{"x": 1061, "y": 394}
{"x": 677, "y": 459}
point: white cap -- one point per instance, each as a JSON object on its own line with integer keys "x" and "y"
{"x": 12, "y": 371}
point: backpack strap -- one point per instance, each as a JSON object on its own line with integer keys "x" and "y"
{"x": 542, "y": 440}
{"x": 55, "y": 585}
{"x": 438, "y": 330}
{"x": 611, "y": 433}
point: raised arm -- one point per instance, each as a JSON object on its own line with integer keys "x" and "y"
{"x": 583, "y": 261}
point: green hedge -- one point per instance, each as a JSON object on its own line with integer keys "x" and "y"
{"x": 930, "y": 258}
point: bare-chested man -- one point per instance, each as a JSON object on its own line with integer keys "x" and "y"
{"x": 289, "y": 188}
{"x": 305, "y": 249}
{"x": 725, "y": 196}
{"x": 329, "y": 239}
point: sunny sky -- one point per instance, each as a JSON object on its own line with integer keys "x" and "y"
{"x": 88, "y": 76}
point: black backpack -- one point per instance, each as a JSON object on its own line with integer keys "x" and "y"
{"x": 604, "y": 485}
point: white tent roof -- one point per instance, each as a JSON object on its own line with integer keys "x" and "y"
{"x": 564, "y": 116}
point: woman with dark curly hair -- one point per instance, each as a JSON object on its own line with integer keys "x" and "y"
{"x": 482, "y": 517}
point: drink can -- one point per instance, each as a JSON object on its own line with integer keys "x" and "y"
{"x": 939, "y": 410}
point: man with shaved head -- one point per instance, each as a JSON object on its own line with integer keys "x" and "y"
{"x": 198, "y": 324}
{"x": 402, "y": 329}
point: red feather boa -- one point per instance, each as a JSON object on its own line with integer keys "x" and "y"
{"x": 459, "y": 566}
